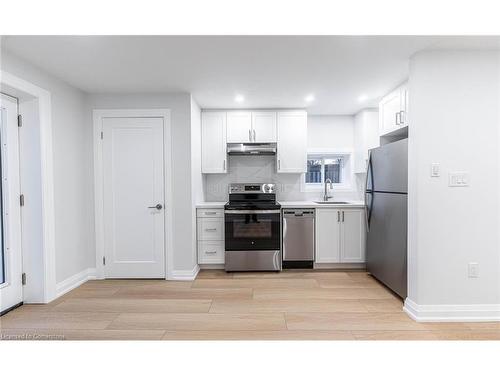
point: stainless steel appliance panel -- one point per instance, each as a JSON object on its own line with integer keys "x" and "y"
{"x": 252, "y": 260}
{"x": 298, "y": 235}
{"x": 386, "y": 245}
{"x": 252, "y": 230}
{"x": 388, "y": 168}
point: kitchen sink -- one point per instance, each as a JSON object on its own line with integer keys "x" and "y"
{"x": 330, "y": 202}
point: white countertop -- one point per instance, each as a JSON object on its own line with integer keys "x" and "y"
{"x": 210, "y": 204}
{"x": 312, "y": 204}
{"x": 291, "y": 204}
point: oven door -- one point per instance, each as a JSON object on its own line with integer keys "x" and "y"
{"x": 252, "y": 229}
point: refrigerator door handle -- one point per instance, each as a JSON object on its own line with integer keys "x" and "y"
{"x": 368, "y": 209}
{"x": 369, "y": 191}
{"x": 284, "y": 236}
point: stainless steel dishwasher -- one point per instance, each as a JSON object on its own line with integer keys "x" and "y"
{"x": 298, "y": 238}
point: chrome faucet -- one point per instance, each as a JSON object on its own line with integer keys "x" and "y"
{"x": 326, "y": 196}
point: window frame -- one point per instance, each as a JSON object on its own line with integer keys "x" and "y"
{"x": 346, "y": 170}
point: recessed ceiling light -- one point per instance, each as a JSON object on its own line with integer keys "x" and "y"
{"x": 309, "y": 98}
{"x": 362, "y": 98}
{"x": 239, "y": 98}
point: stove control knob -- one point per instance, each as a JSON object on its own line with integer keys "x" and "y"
{"x": 268, "y": 188}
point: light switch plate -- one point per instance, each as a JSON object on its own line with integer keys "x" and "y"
{"x": 435, "y": 170}
{"x": 473, "y": 270}
{"x": 458, "y": 179}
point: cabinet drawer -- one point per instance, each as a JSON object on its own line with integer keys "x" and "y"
{"x": 210, "y": 229}
{"x": 210, "y": 212}
{"x": 210, "y": 252}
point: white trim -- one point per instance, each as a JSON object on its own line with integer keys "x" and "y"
{"x": 452, "y": 313}
{"x": 98, "y": 115}
{"x": 181, "y": 275}
{"x": 219, "y": 266}
{"x": 74, "y": 281}
{"x": 339, "y": 266}
{"x": 47, "y": 177}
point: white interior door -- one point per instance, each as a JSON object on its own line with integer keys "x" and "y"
{"x": 134, "y": 194}
{"x": 11, "y": 289}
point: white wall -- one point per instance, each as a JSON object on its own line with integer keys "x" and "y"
{"x": 181, "y": 206}
{"x": 197, "y": 179}
{"x": 454, "y": 119}
{"x": 72, "y": 169}
{"x": 323, "y": 132}
{"x": 330, "y": 132}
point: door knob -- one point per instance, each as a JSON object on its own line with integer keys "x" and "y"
{"x": 158, "y": 206}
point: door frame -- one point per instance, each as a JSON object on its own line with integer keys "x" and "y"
{"x": 19, "y": 87}
{"x": 98, "y": 116}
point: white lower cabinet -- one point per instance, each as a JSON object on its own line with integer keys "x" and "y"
{"x": 210, "y": 235}
{"x": 352, "y": 236}
{"x": 340, "y": 235}
{"x": 327, "y": 235}
{"x": 210, "y": 252}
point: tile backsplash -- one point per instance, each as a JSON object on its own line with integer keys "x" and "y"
{"x": 263, "y": 169}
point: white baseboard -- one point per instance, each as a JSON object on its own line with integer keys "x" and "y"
{"x": 339, "y": 266}
{"x": 74, "y": 281}
{"x": 211, "y": 266}
{"x": 452, "y": 313}
{"x": 182, "y": 275}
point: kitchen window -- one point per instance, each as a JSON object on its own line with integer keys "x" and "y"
{"x": 323, "y": 166}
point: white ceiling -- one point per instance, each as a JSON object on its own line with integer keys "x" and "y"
{"x": 269, "y": 71}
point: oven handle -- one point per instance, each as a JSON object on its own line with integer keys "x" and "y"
{"x": 244, "y": 212}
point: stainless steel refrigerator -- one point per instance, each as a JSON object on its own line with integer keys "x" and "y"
{"x": 386, "y": 199}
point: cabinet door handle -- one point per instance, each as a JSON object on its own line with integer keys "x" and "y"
{"x": 397, "y": 117}
{"x": 279, "y": 164}
{"x": 342, "y": 216}
{"x": 211, "y": 252}
{"x": 223, "y": 165}
{"x": 402, "y": 117}
{"x": 211, "y": 230}
{"x": 249, "y": 135}
{"x": 338, "y": 216}
{"x": 210, "y": 213}
{"x": 253, "y": 135}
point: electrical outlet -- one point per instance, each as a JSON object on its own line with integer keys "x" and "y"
{"x": 458, "y": 179}
{"x": 473, "y": 270}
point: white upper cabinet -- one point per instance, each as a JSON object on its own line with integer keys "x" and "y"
{"x": 213, "y": 142}
{"x": 264, "y": 126}
{"x": 366, "y": 137}
{"x": 292, "y": 142}
{"x": 393, "y": 109}
{"x": 239, "y": 127}
{"x": 288, "y": 129}
{"x": 251, "y": 126}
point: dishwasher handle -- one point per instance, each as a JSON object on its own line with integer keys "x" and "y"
{"x": 298, "y": 213}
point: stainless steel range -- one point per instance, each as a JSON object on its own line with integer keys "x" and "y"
{"x": 252, "y": 228}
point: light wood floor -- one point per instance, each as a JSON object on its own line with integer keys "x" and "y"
{"x": 245, "y": 306}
